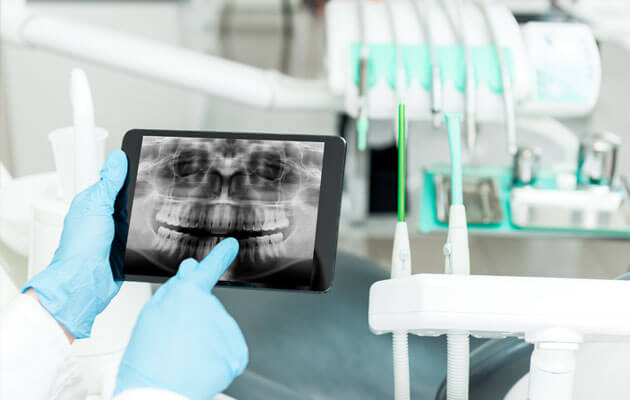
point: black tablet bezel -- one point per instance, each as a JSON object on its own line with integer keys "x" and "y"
{"x": 327, "y": 229}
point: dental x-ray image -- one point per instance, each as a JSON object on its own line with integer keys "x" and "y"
{"x": 193, "y": 192}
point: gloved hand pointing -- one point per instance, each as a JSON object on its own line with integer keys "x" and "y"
{"x": 184, "y": 340}
{"x": 78, "y": 284}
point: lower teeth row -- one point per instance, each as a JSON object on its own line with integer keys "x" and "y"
{"x": 252, "y": 250}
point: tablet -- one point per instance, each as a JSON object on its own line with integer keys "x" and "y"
{"x": 278, "y": 195}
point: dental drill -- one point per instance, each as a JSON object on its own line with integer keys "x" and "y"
{"x": 457, "y": 262}
{"x": 436, "y": 82}
{"x": 401, "y": 266}
{"x": 363, "y": 123}
{"x": 458, "y": 24}
{"x": 400, "y": 72}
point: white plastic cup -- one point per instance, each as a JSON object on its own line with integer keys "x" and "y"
{"x": 62, "y": 142}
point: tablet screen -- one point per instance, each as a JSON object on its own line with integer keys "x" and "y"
{"x": 192, "y": 192}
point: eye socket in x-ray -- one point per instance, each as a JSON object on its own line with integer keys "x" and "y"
{"x": 192, "y": 192}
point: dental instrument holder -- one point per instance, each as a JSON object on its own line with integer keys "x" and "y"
{"x": 552, "y": 313}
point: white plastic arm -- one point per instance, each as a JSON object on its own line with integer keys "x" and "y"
{"x": 182, "y": 67}
{"x": 490, "y": 306}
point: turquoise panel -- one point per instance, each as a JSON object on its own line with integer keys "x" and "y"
{"x": 416, "y": 60}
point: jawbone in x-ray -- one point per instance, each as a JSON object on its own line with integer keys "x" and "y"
{"x": 192, "y": 193}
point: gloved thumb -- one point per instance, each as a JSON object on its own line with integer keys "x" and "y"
{"x": 113, "y": 175}
{"x": 206, "y": 273}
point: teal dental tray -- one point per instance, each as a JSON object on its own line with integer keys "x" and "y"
{"x": 429, "y": 223}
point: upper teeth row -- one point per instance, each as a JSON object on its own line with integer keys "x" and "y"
{"x": 223, "y": 218}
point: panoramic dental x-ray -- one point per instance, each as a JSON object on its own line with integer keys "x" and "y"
{"x": 193, "y": 192}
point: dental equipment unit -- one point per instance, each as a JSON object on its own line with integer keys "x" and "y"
{"x": 551, "y": 313}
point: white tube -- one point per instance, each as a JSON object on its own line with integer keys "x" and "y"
{"x": 506, "y": 81}
{"x": 401, "y": 365}
{"x": 457, "y": 373}
{"x": 186, "y": 68}
{"x": 85, "y": 158}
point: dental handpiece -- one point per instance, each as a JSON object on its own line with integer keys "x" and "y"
{"x": 436, "y": 95}
{"x": 506, "y": 82}
{"x": 436, "y": 83}
{"x": 471, "y": 118}
{"x": 471, "y": 101}
{"x": 363, "y": 73}
{"x": 362, "y": 113}
{"x": 457, "y": 23}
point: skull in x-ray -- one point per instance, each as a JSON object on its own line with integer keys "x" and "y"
{"x": 193, "y": 192}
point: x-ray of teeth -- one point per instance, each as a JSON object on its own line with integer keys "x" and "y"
{"x": 193, "y": 192}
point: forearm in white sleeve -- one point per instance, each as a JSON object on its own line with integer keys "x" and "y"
{"x": 35, "y": 357}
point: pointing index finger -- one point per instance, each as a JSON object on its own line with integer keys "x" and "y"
{"x": 217, "y": 261}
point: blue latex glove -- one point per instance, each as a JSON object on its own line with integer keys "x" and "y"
{"x": 78, "y": 284}
{"x": 184, "y": 340}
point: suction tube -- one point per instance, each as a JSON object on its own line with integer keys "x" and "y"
{"x": 457, "y": 262}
